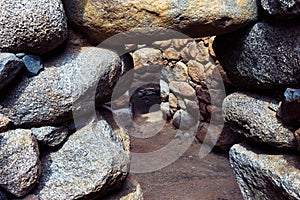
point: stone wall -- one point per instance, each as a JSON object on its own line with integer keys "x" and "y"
{"x": 54, "y": 144}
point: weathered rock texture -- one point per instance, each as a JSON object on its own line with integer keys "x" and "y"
{"x": 265, "y": 175}
{"x": 69, "y": 78}
{"x": 249, "y": 114}
{"x": 50, "y": 135}
{"x": 34, "y": 26}
{"x": 265, "y": 56}
{"x": 99, "y": 20}
{"x": 91, "y": 163}
{"x": 10, "y": 66}
{"x": 282, "y": 8}
{"x": 19, "y": 161}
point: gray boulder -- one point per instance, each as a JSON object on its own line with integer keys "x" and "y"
{"x": 249, "y": 115}
{"x": 265, "y": 175}
{"x": 282, "y": 8}
{"x": 89, "y": 164}
{"x": 69, "y": 81}
{"x": 265, "y": 56}
{"x": 50, "y": 135}
{"x": 10, "y": 66}
{"x": 34, "y": 26}
{"x": 19, "y": 161}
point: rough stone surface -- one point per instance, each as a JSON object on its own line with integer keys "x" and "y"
{"x": 197, "y": 18}
{"x": 19, "y": 161}
{"x": 10, "y": 66}
{"x": 265, "y": 56}
{"x": 34, "y": 26}
{"x": 171, "y": 54}
{"x": 50, "y": 135}
{"x": 196, "y": 71}
{"x": 282, "y": 8}
{"x": 4, "y": 122}
{"x": 184, "y": 120}
{"x": 131, "y": 190}
{"x": 33, "y": 64}
{"x": 91, "y": 163}
{"x": 180, "y": 72}
{"x": 265, "y": 175}
{"x": 249, "y": 115}
{"x": 146, "y": 56}
{"x": 66, "y": 80}
{"x": 182, "y": 89}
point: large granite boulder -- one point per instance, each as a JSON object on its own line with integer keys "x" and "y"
{"x": 265, "y": 174}
{"x": 99, "y": 20}
{"x": 19, "y": 161}
{"x": 91, "y": 162}
{"x": 33, "y": 26}
{"x": 264, "y": 56}
{"x": 250, "y": 115}
{"x": 69, "y": 80}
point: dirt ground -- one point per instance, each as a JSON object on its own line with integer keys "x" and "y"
{"x": 189, "y": 177}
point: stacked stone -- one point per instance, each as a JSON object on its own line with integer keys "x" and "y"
{"x": 264, "y": 59}
{"x": 187, "y": 74}
{"x": 42, "y": 155}
{"x": 49, "y": 89}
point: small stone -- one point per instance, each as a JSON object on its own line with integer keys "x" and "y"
{"x": 164, "y": 90}
{"x": 165, "y": 109}
{"x": 180, "y": 72}
{"x": 196, "y": 71}
{"x": 50, "y": 135}
{"x": 20, "y": 55}
{"x": 265, "y": 174}
{"x": 172, "y": 54}
{"x": 181, "y": 105}
{"x": 173, "y": 101}
{"x": 250, "y": 116}
{"x": 10, "y": 66}
{"x": 180, "y": 43}
{"x": 33, "y": 64}
{"x": 203, "y": 94}
{"x": 182, "y": 89}
{"x": 162, "y": 44}
{"x": 183, "y": 120}
{"x": 92, "y": 162}
{"x": 192, "y": 106}
{"x": 19, "y": 161}
{"x": 147, "y": 56}
{"x": 76, "y": 42}
{"x": 203, "y": 53}
{"x": 4, "y": 122}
